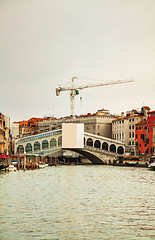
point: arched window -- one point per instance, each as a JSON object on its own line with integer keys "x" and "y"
{"x": 28, "y": 147}
{"x": 120, "y": 150}
{"x": 59, "y": 141}
{"x": 97, "y": 144}
{"x": 20, "y": 149}
{"x": 105, "y": 146}
{"x": 44, "y": 144}
{"x": 112, "y": 148}
{"x": 36, "y": 145}
{"x": 53, "y": 142}
{"x": 90, "y": 142}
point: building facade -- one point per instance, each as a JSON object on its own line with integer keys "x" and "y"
{"x": 151, "y": 133}
{"x": 99, "y": 123}
{"x": 4, "y": 134}
{"x": 141, "y": 137}
{"x": 26, "y": 127}
{"x": 123, "y": 128}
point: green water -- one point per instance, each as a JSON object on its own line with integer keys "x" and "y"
{"x": 78, "y": 202}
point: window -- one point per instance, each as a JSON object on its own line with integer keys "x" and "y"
{"x": 130, "y": 127}
{"x": 153, "y": 114}
{"x": 147, "y": 130}
{"x": 145, "y": 127}
{"x": 129, "y": 135}
{"x": 139, "y": 128}
{"x": 130, "y": 120}
{"x": 148, "y": 122}
{"x": 36, "y": 145}
{"x": 154, "y": 121}
{"x": 136, "y": 136}
{"x": 136, "y": 128}
{"x": 133, "y": 126}
{"x": 139, "y": 145}
{"x": 133, "y": 143}
{"x": 133, "y": 119}
{"x": 133, "y": 134}
{"x": 53, "y": 142}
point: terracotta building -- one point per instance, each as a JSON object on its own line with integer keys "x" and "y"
{"x": 26, "y": 127}
{"x": 141, "y": 137}
{"x": 151, "y": 133}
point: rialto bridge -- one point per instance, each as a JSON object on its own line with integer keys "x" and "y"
{"x": 98, "y": 149}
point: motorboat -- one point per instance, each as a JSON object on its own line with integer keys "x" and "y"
{"x": 43, "y": 165}
{"x": 151, "y": 165}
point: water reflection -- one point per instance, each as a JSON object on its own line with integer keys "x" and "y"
{"x": 78, "y": 202}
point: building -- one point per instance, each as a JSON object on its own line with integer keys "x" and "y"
{"x": 25, "y": 128}
{"x": 123, "y": 128}
{"x": 99, "y": 123}
{"x": 4, "y": 134}
{"x": 151, "y": 133}
{"x": 141, "y": 137}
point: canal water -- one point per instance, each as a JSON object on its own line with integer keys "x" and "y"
{"x": 78, "y": 202}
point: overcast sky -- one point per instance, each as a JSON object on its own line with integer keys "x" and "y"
{"x": 44, "y": 43}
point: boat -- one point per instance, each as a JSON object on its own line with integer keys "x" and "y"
{"x": 130, "y": 161}
{"x": 12, "y": 168}
{"x": 3, "y": 167}
{"x": 151, "y": 165}
{"x": 43, "y": 165}
{"x": 9, "y": 168}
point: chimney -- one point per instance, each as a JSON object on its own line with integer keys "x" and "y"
{"x": 122, "y": 114}
{"x": 132, "y": 114}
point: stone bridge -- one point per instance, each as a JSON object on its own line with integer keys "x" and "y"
{"x": 98, "y": 149}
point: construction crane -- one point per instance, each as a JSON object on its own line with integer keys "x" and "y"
{"x": 74, "y": 90}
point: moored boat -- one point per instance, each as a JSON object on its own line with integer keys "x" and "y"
{"x": 133, "y": 161}
{"x": 152, "y": 163}
{"x": 43, "y": 165}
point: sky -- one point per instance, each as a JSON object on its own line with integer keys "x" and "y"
{"x": 43, "y": 44}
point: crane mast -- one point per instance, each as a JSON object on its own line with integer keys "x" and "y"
{"x": 74, "y": 90}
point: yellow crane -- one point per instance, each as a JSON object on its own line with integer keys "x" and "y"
{"x": 74, "y": 90}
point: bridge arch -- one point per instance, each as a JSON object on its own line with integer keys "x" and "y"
{"x": 105, "y": 146}
{"x": 97, "y": 144}
{"x": 120, "y": 150}
{"x": 84, "y": 141}
{"x": 112, "y": 148}
{"x": 53, "y": 142}
{"x": 90, "y": 142}
{"x": 44, "y": 144}
{"x": 28, "y": 147}
{"x": 20, "y": 149}
{"x": 36, "y": 145}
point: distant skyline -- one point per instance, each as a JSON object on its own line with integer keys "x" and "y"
{"x": 45, "y": 43}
